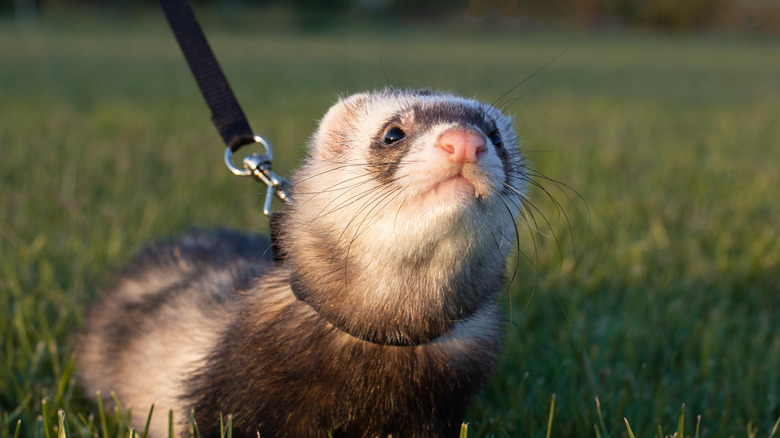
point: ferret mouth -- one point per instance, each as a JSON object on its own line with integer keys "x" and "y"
{"x": 456, "y": 183}
{"x": 447, "y": 189}
{"x": 454, "y": 191}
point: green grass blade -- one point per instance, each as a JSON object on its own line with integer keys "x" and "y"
{"x": 61, "y": 432}
{"x": 148, "y": 422}
{"x": 19, "y": 428}
{"x": 681, "y": 423}
{"x": 752, "y": 431}
{"x": 62, "y": 384}
{"x": 628, "y": 426}
{"x": 121, "y": 414}
{"x": 170, "y": 424}
{"x": 771, "y": 435}
{"x": 194, "y": 431}
{"x": 698, "y": 425}
{"x": 44, "y": 408}
{"x": 22, "y": 405}
{"x": 102, "y": 415}
{"x": 550, "y": 420}
{"x": 464, "y": 430}
{"x": 225, "y": 431}
{"x": 601, "y": 418}
{"x": 88, "y": 423}
{"x": 118, "y": 404}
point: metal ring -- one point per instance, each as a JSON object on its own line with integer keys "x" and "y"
{"x": 247, "y": 172}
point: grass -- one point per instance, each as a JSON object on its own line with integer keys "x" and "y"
{"x": 661, "y": 288}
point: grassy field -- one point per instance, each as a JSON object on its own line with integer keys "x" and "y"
{"x": 659, "y": 287}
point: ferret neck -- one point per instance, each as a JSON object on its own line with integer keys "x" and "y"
{"x": 377, "y": 338}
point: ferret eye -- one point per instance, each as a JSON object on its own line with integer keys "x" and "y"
{"x": 495, "y": 139}
{"x": 394, "y": 134}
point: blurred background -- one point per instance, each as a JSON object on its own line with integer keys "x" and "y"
{"x": 759, "y": 16}
{"x": 647, "y": 282}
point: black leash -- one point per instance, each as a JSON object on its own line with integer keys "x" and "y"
{"x": 226, "y": 113}
{"x": 232, "y": 124}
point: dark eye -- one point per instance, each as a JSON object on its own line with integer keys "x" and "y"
{"x": 394, "y": 134}
{"x": 495, "y": 139}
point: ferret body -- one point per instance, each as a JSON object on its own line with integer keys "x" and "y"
{"x": 376, "y": 314}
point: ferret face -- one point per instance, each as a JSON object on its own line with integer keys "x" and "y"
{"x": 414, "y": 162}
{"x": 407, "y": 195}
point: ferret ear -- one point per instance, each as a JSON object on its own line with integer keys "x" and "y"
{"x": 330, "y": 139}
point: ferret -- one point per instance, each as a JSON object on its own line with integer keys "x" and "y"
{"x": 371, "y": 310}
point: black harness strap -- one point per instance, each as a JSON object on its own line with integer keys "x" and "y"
{"x": 226, "y": 113}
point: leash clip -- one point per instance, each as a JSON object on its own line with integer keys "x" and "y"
{"x": 259, "y": 166}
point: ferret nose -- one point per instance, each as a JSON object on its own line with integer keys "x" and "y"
{"x": 462, "y": 146}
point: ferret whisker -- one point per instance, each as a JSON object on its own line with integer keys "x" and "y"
{"x": 376, "y": 196}
{"x": 348, "y": 202}
{"x": 376, "y": 201}
{"x": 494, "y": 305}
{"x": 523, "y": 80}
{"x": 561, "y": 211}
{"x": 343, "y": 204}
{"x": 553, "y": 233}
{"x": 507, "y": 104}
{"x": 325, "y": 211}
{"x": 527, "y": 217}
{"x": 399, "y": 208}
{"x": 339, "y": 186}
{"x": 373, "y": 193}
{"x": 564, "y": 188}
{"x": 514, "y": 194}
{"x": 390, "y": 195}
{"x": 335, "y": 169}
{"x": 324, "y": 169}
{"x": 369, "y": 219}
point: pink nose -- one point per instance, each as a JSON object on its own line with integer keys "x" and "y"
{"x": 462, "y": 146}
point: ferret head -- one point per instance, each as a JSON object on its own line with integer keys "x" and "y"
{"x": 403, "y": 214}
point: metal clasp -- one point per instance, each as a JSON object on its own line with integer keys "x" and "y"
{"x": 259, "y": 166}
